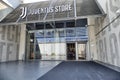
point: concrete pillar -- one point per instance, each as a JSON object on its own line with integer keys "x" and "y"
{"x": 22, "y": 42}
{"x": 92, "y": 40}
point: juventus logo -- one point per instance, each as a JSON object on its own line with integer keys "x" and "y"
{"x": 24, "y": 12}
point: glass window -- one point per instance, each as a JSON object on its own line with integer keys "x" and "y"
{"x": 81, "y": 31}
{"x": 49, "y": 33}
{"x": 70, "y": 32}
{"x": 40, "y": 34}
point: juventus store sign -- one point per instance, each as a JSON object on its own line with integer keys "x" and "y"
{"x": 62, "y": 8}
{"x": 49, "y": 11}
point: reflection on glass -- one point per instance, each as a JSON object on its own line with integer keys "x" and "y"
{"x": 49, "y": 33}
{"x": 59, "y": 35}
{"x": 70, "y": 32}
{"x": 81, "y": 31}
{"x": 40, "y": 34}
{"x": 60, "y": 32}
{"x": 53, "y": 51}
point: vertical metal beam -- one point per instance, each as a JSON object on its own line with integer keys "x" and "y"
{"x": 65, "y": 29}
{"x": 89, "y": 54}
{"x": 55, "y": 39}
{"x": 76, "y": 43}
{"x": 65, "y": 37}
{"x": 75, "y": 10}
{"x": 76, "y": 47}
{"x": 44, "y": 42}
{"x": 26, "y": 45}
{"x": 44, "y": 32}
{"x": 34, "y": 42}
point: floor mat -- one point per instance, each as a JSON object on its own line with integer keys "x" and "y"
{"x": 85, "y": 70}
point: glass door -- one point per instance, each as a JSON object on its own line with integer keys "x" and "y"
{"x": 81, "y": 51}
{"x": 71, "y": 53}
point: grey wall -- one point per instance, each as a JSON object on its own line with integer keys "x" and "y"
{"x": 13, "y": 3}
{"x": 108, "y": 41}
{"x": 4, "y": 10}
{"x": 9, "y": 42}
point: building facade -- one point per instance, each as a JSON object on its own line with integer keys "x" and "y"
{"x": 51, "y": 28}
{"x": 107, "y": 33}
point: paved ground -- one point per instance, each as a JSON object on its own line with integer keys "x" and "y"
{"x": 30, "y": 70}
{"x": 81, "y": 71}
{"x": 55, "y": 70}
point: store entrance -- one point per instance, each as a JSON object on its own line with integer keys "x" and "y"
{"x": 55, "y": 40}
{"x": 71, "y": 53}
